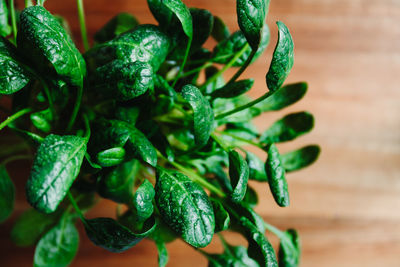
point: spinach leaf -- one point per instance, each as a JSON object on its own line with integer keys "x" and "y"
{"x": 112, "y": 236}
{"x": 232, "y": 257}
{"x": 143, "y": 201}
{"x": 13, "y": 76}
{"x": 222, "y": 218}
{"x": 276, "y": 176}
{"x": 5, "y": 28}
{"x": 289, "y": 249}
{"x": 221, "y": 105}
{"x": 203, "y": 113}
{"x": 239, "y": 175}
{"x": 59, "y": 246}
{"x": 127, "y": 114}
{"x": 245, "y": 210}
{"x": 282, "y": 60}
{"x": 251, "y": 19}
{"x": 119, "y": 24}
{"x": 256, "y": 167}
{"x": 300, "y": 158}
{"x": 56, "y": 165}
{"x": 251, "y": 197}
{"x": 219, "y": 31}
{"x": 42, "y": 120}
{"x": 218, "y": 83}
{"x": 111, "y": 157}
{"x": 203, "y": 22}
{"x": 185, "y": 207}
{"x": 288, "y": 128}
{"x": 7, "y": 194}
{"x": 162, "y": 253}
{"x": 233, "y": 89}
{"x": 183, "y": 14}
{"x": 46, "y": 42}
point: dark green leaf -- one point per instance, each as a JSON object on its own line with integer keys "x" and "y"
{"x": 289, "y": 249}
{"x": 300, "y": 158}
{"x": 203, "y": 22}
{"x": 276, "y": 176}
{"x": 161, "y": 13}
{"x": 232, "y": 257}
{"x": 251, "y": 19}
{"x": 284, "y": 96}
{"x": 233, "y": 89}
{"x": 42, "y": 120}
{"x": 218, "y": 83}
{"x": 288, "y": 128}
{"x": 5, "y": 28}
{"x": 112, "y": 236}
{"x": 220, "y": 31}
{"x": 119, "y": 24}
{"x": 56, "y": 165}
{"x": 239, "y": 175}
{"x": 7, "y": 194}
{"x": 222, "y": 218}
{"x": 185, "y": 207}
{"x": 282, "y": 60}
{"x": 251, "y": 197}
{"x": 58, "y": 247}
{"x": 183, "y": 14}
{"x": 243, "y": 209}
{"x": 30, "y": 225}
{"x": 203, "y": 113}
{"x": 127, "y": 114}
{"x": 44, "y": 41}
{"x": 111, "y": 157}
{"x": 256, "y": 168}
{"x": 143, "y": 201}
{"x": 13, "y": 76}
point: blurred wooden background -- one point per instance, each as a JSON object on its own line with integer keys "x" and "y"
{"x": 346, "y": 207}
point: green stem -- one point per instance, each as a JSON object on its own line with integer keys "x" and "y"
{"x": 87, "y": 127}
{"x": 76, "y": 207}
{"x": 274, "y": 230}
{"x": 240, "y": 139}
{"x": 183, "y": 62}
{"x": 15, "y": 148}
{"x": 48, "y": 95}
{"x": 13, "y": 20}
{"x": 227, "y": 66}
{"x": 81, "y": 13}
{"x": 243, "y": 67}
{"x": 248, "y": 105}
{"x": 193, "y": 71}
{"x": 220, "y": 142}
{"x": 14, "y": 117}
{"x": 16, "y": 157}
{"x": 76, "y": 107}
{"x": 28, "y": 3}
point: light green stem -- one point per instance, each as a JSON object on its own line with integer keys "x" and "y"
{"x": 76, "y": 107}
{"x": 81, "y": 13}
{"x": 193, "y": 71}
{"x": 15, "y": 116}
{"x": 13, "y": 20}
{"x": 76, "y": 207}
{"x": 274, "y": 230}
{"x": 16, "y": 157}
{"x": 220, "y": 142}
{"x": 183, "y": 62}
{"x": 240, "y": 139}
{"x": 243, "y": 67}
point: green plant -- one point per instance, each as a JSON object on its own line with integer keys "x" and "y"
{"x": 131, "y": 120}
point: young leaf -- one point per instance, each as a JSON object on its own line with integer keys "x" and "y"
{"x": 256, "y": 168}
{"x": 42, "y": 120}
{"x": 300, "y": 158}
{"x": 289, "y": 249}
{"x": 233, "y": 89}
{"x": 222, "y": 218}
{"x": 276, "y": 176}
{"x": 185, "y": 207}
{"x": 232, "y": 256}
{"x": 119, "y": 24}
{"x": 288, "y": 128}
{"x": 112, "y": 236}
{"x": 56, "y": 165}
{"x": 59, "y": 246}
{"x": 239, "y": 175}
{"x": 143, "y": 201}
{"x": 5, "y": 28}
{"x": 7, "y": 194}
{"x": 282, "y": 60}
{"x": 284, "y": 96}
{"x": 183, "y": 14}
{"x": 13, "y": 76}
{"x": 45, "y": 41}
{"x": 219, "y": 31}
{"x": 251, "y": 19}
{"x": 111, "y": 157}
{"x": 203, "y": 113}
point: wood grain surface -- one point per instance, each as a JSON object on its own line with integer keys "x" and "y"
{"x": 346, "y": 207}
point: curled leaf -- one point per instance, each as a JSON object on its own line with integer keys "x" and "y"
{"x": 300, "y": 158}
{"x": 239, "y": 175}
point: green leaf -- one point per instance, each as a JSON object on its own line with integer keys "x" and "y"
{"x": 58, "y": 247}
{"x": 300, "y": 158}
{"x": 239, "y": 175}
{"x": 289, "y": 249}
{"x": 143, "y": 201}
{"x": 233, "y": 89}
{"x": 127, "y": 114}
{"x": 222, "y": 219}
{"x": 221, "y": 105}
{"x": 111, "y": 157}
{"x": 282, "y": 60}
{"x": 44, "y": 41}
{"x": 219, "y": 31}
{"x": 245, "y": 210}
{"x": 161, "y": 13}
{"x": 112, "y": 236}
{"x": 203, "y": 113}
{"x": 232, "y": 257}
{"x": 256, "y": 168}
{"x": 251, "y": 19}
{"x": 30, "y": 226}
{"x": 124, "y": 80}
{"x": 7, "y": 194}
{"x": 251, "y": 197}
{"x": 276, "y": 176}
{"x": 288, "y": 128}
{"x": 119, "y": 24}
{"x": 56, "y": 165}
{"x": 13, "y": 76}
{"x": 185, "y": 207}
{"x": 183, "y": 14}
{"x": 162, "y": 253}
{"x": 42, "y": 120}
{"x": 5, "y": 28}
{"x": 218, "y": 83}
{"x": 203, "y": 22}
{"x": 284, "y": 96}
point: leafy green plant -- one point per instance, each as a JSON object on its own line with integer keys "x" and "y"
{"x": 133, "y": 120}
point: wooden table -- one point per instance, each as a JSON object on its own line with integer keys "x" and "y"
{"x": 346, "y": 207}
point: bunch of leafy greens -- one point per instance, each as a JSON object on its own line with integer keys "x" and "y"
{"x": 132, "y": 120}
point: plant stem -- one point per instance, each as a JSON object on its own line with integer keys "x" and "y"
{"x": 250, "y": 104}
{"x": 193, "y": 71}
{"x": 48, "y": 95}
{"x": 227, "y": 66}
{"x": 15, "y": 148}
{"x": 81, "y": 13}
{"x": 16, "y": 157}
{"x": 243, "y": 67}
{"x": 14, "y": 117}
{"x": 76, "y": 107}
{"x": 220, "y": 142}
{"x": 13, "y": 20}
{"x": 183, "y": 62}
{"x": 87, "y": 127}
{"x": 274, "y": 230}
{"x": 240, "y": 139}
{"x": 76, "y": 207}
